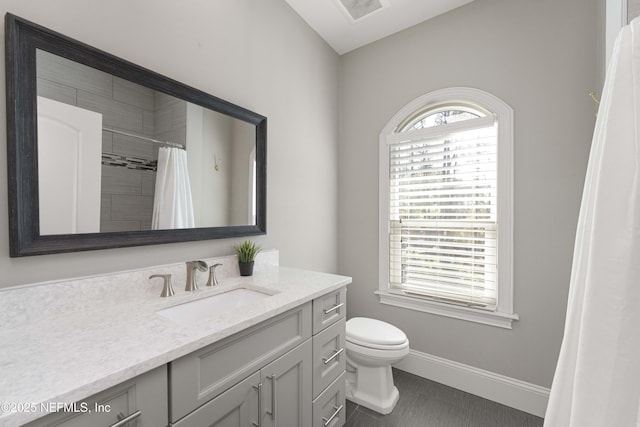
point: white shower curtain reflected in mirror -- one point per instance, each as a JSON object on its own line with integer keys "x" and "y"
{"x": 597, "y": 380}
{"x": 172, "y": 203}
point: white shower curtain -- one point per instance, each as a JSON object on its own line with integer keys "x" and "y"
{"x": 597, "y": 380}
{"x": 172, "y": 203}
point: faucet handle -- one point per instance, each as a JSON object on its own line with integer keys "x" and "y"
{"x": 213, "y": 279}
{"x": 167, "y": 290}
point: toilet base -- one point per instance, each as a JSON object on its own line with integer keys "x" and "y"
{"x": 373, "y": 388}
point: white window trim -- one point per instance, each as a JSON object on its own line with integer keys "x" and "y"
{"x": 503, "y": 316}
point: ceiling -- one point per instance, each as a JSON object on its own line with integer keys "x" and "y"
{"x": 349, "y": 24}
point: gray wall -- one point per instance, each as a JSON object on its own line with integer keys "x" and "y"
{"x": 257, "y": 54}
{"x": 540, "y": 58}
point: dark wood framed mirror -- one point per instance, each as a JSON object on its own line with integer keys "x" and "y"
{"x": 113, "y": 179}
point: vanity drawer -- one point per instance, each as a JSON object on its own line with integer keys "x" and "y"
{"x": 145, "y": 394}
{"x": 329, "y": 408}
{"x": 329, "y": 356}
{"x": 329, "y": 308}
{"x": 202, "y": 375}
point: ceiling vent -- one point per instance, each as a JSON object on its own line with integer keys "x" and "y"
{"x": 358, "y": 9}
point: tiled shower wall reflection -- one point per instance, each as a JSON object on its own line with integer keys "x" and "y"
{"x": 127, "y": 194}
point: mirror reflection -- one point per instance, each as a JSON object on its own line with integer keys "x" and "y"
{"x": 117, "y": 156}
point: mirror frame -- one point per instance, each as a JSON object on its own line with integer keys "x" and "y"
{"x": 22, "y": 38}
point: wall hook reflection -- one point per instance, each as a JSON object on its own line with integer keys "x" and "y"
{"x": 592, "y": 94}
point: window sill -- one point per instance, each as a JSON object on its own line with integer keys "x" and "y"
{"x": 491, "y": 318}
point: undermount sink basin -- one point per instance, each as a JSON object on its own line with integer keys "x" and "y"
{"x": 197, "y": 310}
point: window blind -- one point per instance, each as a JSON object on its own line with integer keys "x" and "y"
{"x": 442, "y": 211}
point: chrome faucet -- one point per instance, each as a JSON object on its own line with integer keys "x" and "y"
{"x": 192, "y": 266}
{"x": 213, "y": 279}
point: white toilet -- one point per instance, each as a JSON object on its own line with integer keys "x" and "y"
{"x": 372, "y": 347}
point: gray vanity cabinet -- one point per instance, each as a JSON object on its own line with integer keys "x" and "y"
{"x": 202, "y": 375}
{"x": 280, "y": 393}
{"x": 329, "y": 359}
{"x": 285, "y": 371}
{"x": 289, "y": 369}
{"x": 279, "y": 349}
{"x": 141, "y": 399}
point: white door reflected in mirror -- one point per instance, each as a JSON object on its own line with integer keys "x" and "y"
{"x": 69, "y": 149}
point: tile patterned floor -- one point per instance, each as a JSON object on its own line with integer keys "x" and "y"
{"x": 425, "y": 403}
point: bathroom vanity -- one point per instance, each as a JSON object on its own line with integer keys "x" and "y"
{"x": 109, "y": 351}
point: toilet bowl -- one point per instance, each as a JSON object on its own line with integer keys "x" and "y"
{"x": 372, "y": 347}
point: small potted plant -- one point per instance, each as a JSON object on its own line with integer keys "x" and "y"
{"x": 246, "y": 252}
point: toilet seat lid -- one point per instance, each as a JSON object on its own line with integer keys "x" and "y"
{"x": 372, "y": 332}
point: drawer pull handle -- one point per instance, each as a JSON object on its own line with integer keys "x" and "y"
{"x": 335, "y": 354}
{"x": 122, "y": 420}
{"x": 337, "y": 410}
{"x": 273, "y": 396}
{"x": 259, "y": 388}
{"x": 334, "y": 308}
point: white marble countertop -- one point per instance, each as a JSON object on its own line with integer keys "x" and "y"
{"x": 65, "y": 354}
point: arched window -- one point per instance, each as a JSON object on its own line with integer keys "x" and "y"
{"x": 446, "y": 206}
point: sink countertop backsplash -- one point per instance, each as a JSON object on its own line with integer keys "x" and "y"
{"x": 67, "y": 340}
{"x": 87, "y": 293}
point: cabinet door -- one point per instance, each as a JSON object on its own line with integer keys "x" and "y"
{"x": 236, "y": 407}
{"x": 286, "y": 389}
{"x": 142, "y": 399}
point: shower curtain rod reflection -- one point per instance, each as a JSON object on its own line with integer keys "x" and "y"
{"x": 145, "y": 138}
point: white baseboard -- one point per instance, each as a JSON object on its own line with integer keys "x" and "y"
{"x": 508, "y": 391}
